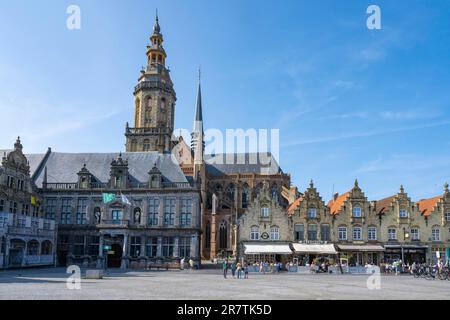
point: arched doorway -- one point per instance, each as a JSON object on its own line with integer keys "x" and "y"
{"x": 16, "y": 252}
{"x": 115, "y": 260}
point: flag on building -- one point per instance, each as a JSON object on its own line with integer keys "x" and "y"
{"x": 125, "y": 200}
{"x": 108, "y": 197}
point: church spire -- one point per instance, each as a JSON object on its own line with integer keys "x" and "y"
{"x": 156, "y": 27}
{"x": 197, "y": 137}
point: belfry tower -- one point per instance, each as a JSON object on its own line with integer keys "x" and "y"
{"x": 154, "y": 102}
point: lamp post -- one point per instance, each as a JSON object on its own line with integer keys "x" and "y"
{"x": 405, "y": 237}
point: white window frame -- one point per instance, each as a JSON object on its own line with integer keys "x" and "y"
{"x": 342, "y": 233}
{"x": 415, "y": 234}
{"x": 403, "y": 213}
{"x": 274, "y": 233}
{"x": 265, "y": 212}
{"x": 254, "y": 233}
{"x": 447, "y": 216}
{"x": 435, "y": 234}
{"x": 372, "y": 234}
{"x": 357, "y": 209}
{"x": 357, "y": 231}
{"x": 390, "y": 233}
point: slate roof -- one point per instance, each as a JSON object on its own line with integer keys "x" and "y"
{"x": 258, "y": 163}
{"x": 63, "y": 167}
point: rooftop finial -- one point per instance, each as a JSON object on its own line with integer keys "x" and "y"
{"x": 156, "y": 28}
{"x": 446, "y": 187}
{"x": 356, "y": 183}
{"x": 199, "y": 74}
{"x": 402, "y": 190}
{"x": 311, "y": 183}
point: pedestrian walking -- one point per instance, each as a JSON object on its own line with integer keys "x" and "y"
{"x": 191, "y": 264}
{"x": 239, "y": 270}
{"x": 246, "y": 271}
{"x": 225, "y": 269}
{"x": 182, "y": 264}
{"x": 233, "y": 269}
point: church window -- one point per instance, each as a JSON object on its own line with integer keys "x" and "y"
{"x": 223, "y": 235}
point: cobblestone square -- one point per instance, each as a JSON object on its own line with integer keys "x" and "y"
{"x": 50, "y": 284}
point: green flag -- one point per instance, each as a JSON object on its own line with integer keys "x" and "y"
{"x": 108, "y": 197}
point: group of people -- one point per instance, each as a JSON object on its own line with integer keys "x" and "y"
{"x": 237, "y": 269}
{"x": 190, "y": 263}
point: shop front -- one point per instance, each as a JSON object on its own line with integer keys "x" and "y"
{"x": 408, "y": 253}
{"x": 306, "y": 253}
{"x": 360, "y": 255}
{"x": 255, "y": 253}
{"x": 440, "y": 251}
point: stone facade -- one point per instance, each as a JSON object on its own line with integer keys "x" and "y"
{"x": 26, "y": 238}
{"x": 264, "y": 221}
{"x": 153, "y": 217}
{"x": 154, "y": 102}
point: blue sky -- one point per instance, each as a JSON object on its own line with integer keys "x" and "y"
{"x": 349, "y": 102}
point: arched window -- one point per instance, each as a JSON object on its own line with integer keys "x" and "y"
{"x": 254, "y": 233}
{"x": 133, "y": 145}
{"x": 33, "y": 248}
{"x": 208, "y": 235}
{"x": 223, "y": 235}
{"x": 231, "y": 192}
{"x": 435, "y": 234}
{"x": 137, "y": 112}
{"x": 245, "y": 196}
{"x": 46, "y": 248}
{"x": 274, "y": 192}
{"x": 146, "y": 145}
{"x": 274, "y": 233}
{"x": 163, "y": 104}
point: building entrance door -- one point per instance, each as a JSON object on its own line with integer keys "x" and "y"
{"x": 115, "y": 259}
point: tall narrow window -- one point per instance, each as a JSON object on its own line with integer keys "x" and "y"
{"x": 66, "y": 211}
{"x": 169, "y": 211}
{"x": 372, "y": 233}
{"x": 299, "y": 232}
{"x": 184, "y": 247}
{"x": 245, "y": 197}
{"x": 357, "y": 233}
{"x": 435, "y": 234}
{"x": 312, "y": 232}
{"x": 117, "y": 216}
{"x": 325, "y": 232}
{"x": 186, "y": 212}
{"x": 392, "y": 234}
{"x": 152, "y": 247}
{"x": 223, "y": 235}
{"x": 135, "y": 246}
{"x": 82, "y": 211}
{"x": 167, "y": 246}
{"x": 264, "y": 212}
{"x": 415, "y": 234}
{"x": 153, "y": 212}
{"x": 208, "y": 235}
{"x": 254, "y": 233}
{"x": 342, "y": 233}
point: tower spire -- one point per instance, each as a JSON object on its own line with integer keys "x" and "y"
{"x": 197, "y": 137}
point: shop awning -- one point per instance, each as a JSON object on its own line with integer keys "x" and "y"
{"x": 267, "y": 249}
{"x": 405, "y": 246}
{"x": 314, "y": 248}
{"x": 367, "y": 248}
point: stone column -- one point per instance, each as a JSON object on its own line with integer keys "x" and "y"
{"x": 161, "y": 212}
{"x": 176, "y": 248}
{"x": 159, "y": 250}
{"x": 100, "y": 253}
{"x": 144, "y": 212}
{"x": 195, "y": 247}
{"x": 177, "y": 211}
{"x": 213, "y": 241}
{"x": 124, "y": 252}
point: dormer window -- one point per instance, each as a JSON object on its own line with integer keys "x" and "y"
{"x": 118, "y": 182}
{"x": 403, "y": 213}
{"x": 357, "y": 212}
{"x": 312, "y": 213}
{"x": 264, "y": 212}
